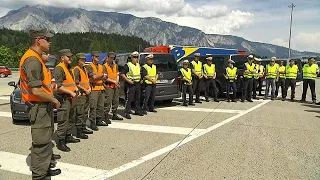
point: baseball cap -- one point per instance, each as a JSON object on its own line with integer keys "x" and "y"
{"x": 40, "y": 32}
{"x": 80, "y": 56}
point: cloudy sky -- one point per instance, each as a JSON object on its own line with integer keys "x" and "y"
{"x": 256, "y": 20}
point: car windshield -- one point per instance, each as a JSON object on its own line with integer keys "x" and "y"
{"x": 164, "y": 62}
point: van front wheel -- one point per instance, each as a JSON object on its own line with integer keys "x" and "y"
{"x": 168, "y": 101}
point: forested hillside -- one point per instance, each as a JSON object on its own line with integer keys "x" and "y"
{"x": 14, "y": 43}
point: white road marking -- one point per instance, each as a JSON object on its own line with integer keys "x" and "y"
{"x": 152, "y": 155}
{"x": 4, "y": 97}
{"x": 17, "y": 163}
{"x": 201, "y": 109}
{"x": 152, "y": 128}
{"x": 5, "y": 114}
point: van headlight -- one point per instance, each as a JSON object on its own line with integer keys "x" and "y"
{"x": 16, "y": 99}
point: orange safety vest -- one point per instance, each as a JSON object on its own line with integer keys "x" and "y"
{"x": 112, "y": 74}
{"x": 84, "y": 82}
{"x": 68, "y": 83}
{"x": 97, "y": 85}
{"x": 26, "y": 91}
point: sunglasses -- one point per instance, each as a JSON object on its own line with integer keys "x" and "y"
{"x": 272, "y": 61}
{"x": 96, "y": 56}
{"x": 45, "y": 38}
{"x": 134, "y": 56}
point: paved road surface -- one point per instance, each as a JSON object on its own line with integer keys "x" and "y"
{"x": 259, "y": 140}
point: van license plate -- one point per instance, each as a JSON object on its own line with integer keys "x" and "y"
{"x": 162, "y": 81}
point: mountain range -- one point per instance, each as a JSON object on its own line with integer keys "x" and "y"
{"x": 153, "y": 30}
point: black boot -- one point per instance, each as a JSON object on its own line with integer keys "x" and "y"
{"x": 216, "y": 99}
{"x": 93, "y": 126}
{"x": 61, "y": 145}
{"x": 53, "y": 164}
{"x": 116, "y": 117}
{"x": 101, "y": 123}
{"x": 71, "y": 139}
{"x": 80, "y": 134}
{"x": 86, "y": 131}
{"x": 127, "y": 116}
{"x": 53, "y": 172}
{"x": 55, "y": 157}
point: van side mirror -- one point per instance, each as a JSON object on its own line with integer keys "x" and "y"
{"x": 12, "y": 83}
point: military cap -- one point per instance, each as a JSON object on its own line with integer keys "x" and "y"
{"x": 65, "y": 52}
{"x": 197, "y": 54}
{"x": 40, "y": 32}
{"x": 186, "y": 61}
{"x": 231, "y": 61}
{"x": 149, "y": 56}
{"x": 273, "y": 58}
{"x": 95, "y": 53}
{"x": 80, "y": 56}
{"x": 111, "y": 54}
{"x": 209, "y": 55}
{"x": 257, "y": 59}
{"x": 250, "y": 56}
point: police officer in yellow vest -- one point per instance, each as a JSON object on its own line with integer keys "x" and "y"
{"x": 309, "y": 72}
{"x": 291, "y": 76}
{"x": 131, "y": 73}
{"x": 197, "y": 74}
{"x": 258, "y": 78}
{"x": 150, "y": 75}
{"x": 35, "y": 84}
{"x": 185, "y": 75}
{"x": 82, "y": 105}
{"x": 209, "y": 73}
{"x": 231, "y": 77}
{"x": 67, "y": 92}
{"x": 249, "y": 71}
{"x": 281, "y": 81}
{"x": 271, "y": 78}
{"x": 97, "y": 95}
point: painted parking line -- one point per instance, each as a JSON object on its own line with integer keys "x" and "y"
{"x": 5, "y": 114}
{"x": 4, "y": 97}
{"x": 201, "y": 109}
{"x": 164, "y": 150}
{"x": 153, "y": 128}
{"x": 17, "y": 163}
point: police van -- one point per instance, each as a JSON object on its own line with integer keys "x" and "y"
{"x": 167, "y": 85}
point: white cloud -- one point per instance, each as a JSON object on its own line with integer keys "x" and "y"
{"x": 302, "y": 42}
{"x": 206, "y": 11}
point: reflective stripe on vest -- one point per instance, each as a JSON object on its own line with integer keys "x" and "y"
{"x": 186, "y": 74}
{"x": 209, "y": 70}
{"x": 249, "y": 68}
{"x": 134, "y": 72}
{"x": 272, "y": 71}
{"x": 68, "y": 83}
{"x": 282, "y": 69}
{"x": 112, "y": 74}
{"x": 231, "y": 73}
{"x": 152, "y": 72}
{"x": 26, "y": 91}
{"x": 84, "y": 80}
{"x": 291, "y": 72}
{"x": 197, "y": 67}
{"x": 97, "y": 85}
{"x": 310, "y": 72}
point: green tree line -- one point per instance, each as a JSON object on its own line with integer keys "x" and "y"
{"x": 13, "y": 44}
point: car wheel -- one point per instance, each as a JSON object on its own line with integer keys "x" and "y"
{"x": 2, "y": 75}
{"x": 6, "y": 75}
{"x": 14, "y": 121}
{"x": 168, "y": 101}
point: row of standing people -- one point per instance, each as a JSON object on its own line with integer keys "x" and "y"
{"x": 275, "y": 75}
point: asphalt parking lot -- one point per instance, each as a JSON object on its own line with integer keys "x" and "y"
{"x": 259, "y": 140}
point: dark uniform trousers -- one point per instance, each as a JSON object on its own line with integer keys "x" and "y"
{"x": 234, "y": 90}
{"x": 66, "y": 118}
{"x": 272, "y": 83}
{"x": 41, "y": 131}
{"x": 148, "y": 102}
{"x": 281, "y": 83}
{"x": 196, "y": 87}
{"x": 211, "y": 82}
{"x": 292, "y": 84}
{"x": 186, "y": 88}
{"x": 312, "y": 84}
{"x": 133, "y": 94}
{"x": 257, "y": 86}
{"x": 81, "y": 111}
{"x": 111, "y": 100}
{"x": 247, "y": 88}
{"x": 96, "y": 106}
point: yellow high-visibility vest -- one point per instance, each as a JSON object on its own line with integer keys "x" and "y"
{"x": 272, "y": 71}
{"x": 310, "y": 72}
{"x": 291, "y": 72}
{"x": 151, "y": 71}
{"x": 282, "y": 69}
{"x": 197, "y": 67}
{"x": 209, "y": 70}
{"x": 134, "y": 72}
{"x": 249, "y": 68}
{"x": 231, "y": 73}
{"x": 186, "y": 74}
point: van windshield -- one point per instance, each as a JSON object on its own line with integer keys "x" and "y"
{"x": 164, "y": 62}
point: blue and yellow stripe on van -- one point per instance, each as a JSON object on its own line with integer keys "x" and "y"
{"x": 180, "y": 52}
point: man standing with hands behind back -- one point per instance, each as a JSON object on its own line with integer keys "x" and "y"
{"x": 37, "y": 93}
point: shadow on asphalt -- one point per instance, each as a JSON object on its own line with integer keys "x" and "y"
{"x": 311, "y": 105}
{"x": 22, "y": 123}
{"x": 3, "y": 104}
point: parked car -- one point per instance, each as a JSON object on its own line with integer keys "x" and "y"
{"x": 4, "y": 71}
{"x": 19, "y": 109}
{"x": 167, "y": 87}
